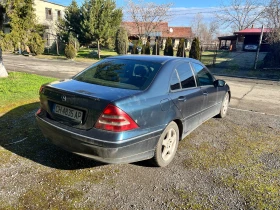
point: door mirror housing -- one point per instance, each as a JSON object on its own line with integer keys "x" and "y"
{"x": 219, "y": 83}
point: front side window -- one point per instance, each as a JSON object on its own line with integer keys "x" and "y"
{"x": 186, "y": 75}
{"x": 204, "y": 78}
{"x": 120, "y": 73}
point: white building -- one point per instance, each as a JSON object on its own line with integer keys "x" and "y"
{"x": 47, "y": 13}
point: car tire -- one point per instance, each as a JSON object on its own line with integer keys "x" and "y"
{"x": 224, "y": 106}
{"x": 167, "y": 145}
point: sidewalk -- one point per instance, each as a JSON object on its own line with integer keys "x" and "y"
{"x": 241, "y": 64}
{"x": 262, "y": 74}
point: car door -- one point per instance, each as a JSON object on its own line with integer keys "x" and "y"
{"x": 210, "y": 93}
{"x": 186, "y": 96}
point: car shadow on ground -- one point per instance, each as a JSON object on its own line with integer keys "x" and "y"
{"x": 20, "y": 135}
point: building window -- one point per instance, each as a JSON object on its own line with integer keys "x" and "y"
{"x": 58, "y": 14}
{"x": 49, "y": 14}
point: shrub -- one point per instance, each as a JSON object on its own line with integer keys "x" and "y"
{"x": 7, "y": 42}
{"x": 70, "y": 51}
{"x": 121, "y": 42}
{"x": 36, "y": 44}
{"x": 168, "y": 50}
{"x": 181, "y": 49}
{"x": 146, "y": 49}
{"x": 195, "y": 50}
{"x": 74, "y": 41}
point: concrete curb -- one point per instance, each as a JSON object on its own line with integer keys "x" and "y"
{"x": 245, "y": 77}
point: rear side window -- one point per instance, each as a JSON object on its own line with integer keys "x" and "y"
{"x": 120, "y": 73}
{"x": 203, "y": 76}
{"x": 175, "y": 82}
{"x": 186, "y": 75}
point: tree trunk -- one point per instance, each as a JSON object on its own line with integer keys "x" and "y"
{"x": 3, "y": 71}
{"x": 57, "y": 51}
{"x": 98, "y": 49}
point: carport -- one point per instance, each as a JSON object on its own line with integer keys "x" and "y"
{"x": 223, "y": 40}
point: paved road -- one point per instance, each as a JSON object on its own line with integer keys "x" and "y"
{"x": 47, "y": 67}
{"x": 252, "y": 95}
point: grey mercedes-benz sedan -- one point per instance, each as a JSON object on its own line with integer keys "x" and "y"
{"x": 130, "y": 108}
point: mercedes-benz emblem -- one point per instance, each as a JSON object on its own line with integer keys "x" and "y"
{"x": 63, "y": 98}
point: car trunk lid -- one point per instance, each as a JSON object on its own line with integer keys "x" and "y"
{"x": 79, "y": 104}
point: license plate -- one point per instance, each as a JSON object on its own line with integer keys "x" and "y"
{"x": 68, "y": 112}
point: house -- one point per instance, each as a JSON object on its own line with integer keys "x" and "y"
{"x": 160, "y": 31}
{"x": 247, "y": 39}
{"x": 47, "y": 14}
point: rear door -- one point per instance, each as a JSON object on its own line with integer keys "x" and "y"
{"x": 210, "y": 93}
{"x": 186, "y": 96}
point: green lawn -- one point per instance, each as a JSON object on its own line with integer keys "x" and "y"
{"x": 20, "y": 88}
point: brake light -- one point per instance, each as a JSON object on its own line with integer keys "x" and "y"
{"x": 115, "y": 119}
{"x": 41, "y": 89}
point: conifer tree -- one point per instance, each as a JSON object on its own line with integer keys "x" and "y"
{"x": 181, "y": 51}
{"x": 70, "y": 24}
{"x": 195, "y": 50}
{"x": 146, "y": 49}
{"x": 168, "y": 50}
{"x": 121, "y": 42}
{"x": 23, "y": 23}
{"x": 100, "y": 20}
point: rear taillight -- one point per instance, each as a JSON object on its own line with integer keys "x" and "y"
{"x": 115, "y": 119}
{"x": 39, "y": 111}
{"x": 41, "y": 89}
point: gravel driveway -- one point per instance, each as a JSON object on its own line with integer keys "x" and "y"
{"x": 208, "y": 172}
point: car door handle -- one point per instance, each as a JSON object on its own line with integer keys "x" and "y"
{"x": 205, "y": 93}
{"x": 182, "y": 98}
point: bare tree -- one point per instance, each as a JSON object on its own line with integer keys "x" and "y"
{"x": 147, "y": 16}
{"x": 196, "y": 25}
{"x": 240, "y": 14}
{"x": 205, "y": 31}
{"x": 272, "y": 14}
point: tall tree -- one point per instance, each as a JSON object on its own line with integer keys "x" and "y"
{"x": 71, "y": 23}
{"x": 100, "y": 20}
{"x": 168, "y": 50}
{"x": 240, "y": 14}
{"x": 121, "y": 42}
{"x": 195, "y": 49}
{"x": 22, "y": 20}
{"x": 181, "y": 51}
{"x": 272, "y": 14}
{"x": 147, "y": 16}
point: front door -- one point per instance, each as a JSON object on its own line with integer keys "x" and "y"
{"x": 186, "y": 96}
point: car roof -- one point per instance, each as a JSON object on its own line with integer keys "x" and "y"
{"x": 153, "y": 58}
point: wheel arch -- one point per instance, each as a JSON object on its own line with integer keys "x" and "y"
{"x": 180, "y": 127}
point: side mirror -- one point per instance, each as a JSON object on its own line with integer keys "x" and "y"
{"x": 219, "y": 83}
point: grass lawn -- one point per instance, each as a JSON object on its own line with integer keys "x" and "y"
{"x": 83, "y": 55}
{"x": 20, "y": 88}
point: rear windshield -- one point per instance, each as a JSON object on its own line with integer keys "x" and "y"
{"x": 120, "y": 73}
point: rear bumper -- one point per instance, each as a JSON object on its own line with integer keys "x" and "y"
{"x": 136, "y": 149}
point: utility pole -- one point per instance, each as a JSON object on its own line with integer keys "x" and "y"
{"x": 258, "y": 50}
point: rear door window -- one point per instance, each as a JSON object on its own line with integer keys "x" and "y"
{"x": 186, "y": 75}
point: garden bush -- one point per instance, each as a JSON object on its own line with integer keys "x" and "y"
{"x": 70, "y": 51}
